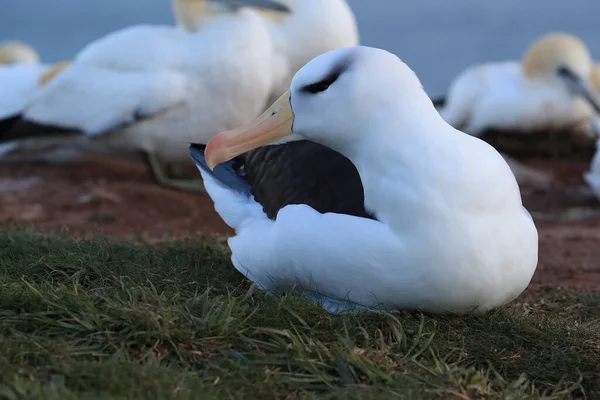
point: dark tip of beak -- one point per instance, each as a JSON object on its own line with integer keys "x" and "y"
{"x": 579, "y": 87}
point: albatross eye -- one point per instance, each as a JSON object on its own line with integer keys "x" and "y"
{"x": 317, "y": 87}
{"x": 324, "y": 83}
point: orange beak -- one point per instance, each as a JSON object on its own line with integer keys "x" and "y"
{"x": 273, "y": 124}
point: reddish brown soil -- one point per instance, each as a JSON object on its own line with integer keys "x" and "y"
{"x": 569, "y": 254}
{"x": 118, "y": 198}
{"x": 112, "y": 197}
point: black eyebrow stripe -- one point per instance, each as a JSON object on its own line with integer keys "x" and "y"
{"x": 331, "y": 77}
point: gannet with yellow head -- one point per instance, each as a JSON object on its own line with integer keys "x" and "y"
{"x": 150, "y": 89}
{"x": 548, "y": 90}
{"x": 445, "y": 229}
{"x": 192, "y": 15}
{"x": 311, "y": 28}
{"x": 21, "y": 73}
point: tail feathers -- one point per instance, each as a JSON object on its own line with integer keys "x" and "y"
{"x": 439, "y": 102}
{"x": 226, "y": 173}
{"x": 229, "y": 192}
{"x": 24, "y": 129}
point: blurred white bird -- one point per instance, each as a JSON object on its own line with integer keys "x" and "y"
{"x": 20, "y": 76}
{"x": 149, "y": 89}
{"x": 313, "y": 27}
{"x": 547, "y": 90}
{"x": 594, "y": 127}
{"x": 592, "y": 177}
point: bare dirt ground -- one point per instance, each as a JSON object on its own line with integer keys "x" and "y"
{"x": 118, "y": 198}
{"x": 112, "y": 197}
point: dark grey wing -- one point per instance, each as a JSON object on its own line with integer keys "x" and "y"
{"x": 300, "y": 172}
{"x": 439, "y": 102}
{"x": 304, "y": 172}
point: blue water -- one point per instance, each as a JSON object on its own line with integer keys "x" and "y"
{"x": 437, "y": 38}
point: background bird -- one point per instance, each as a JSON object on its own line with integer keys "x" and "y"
{"x": 148, "y": 89}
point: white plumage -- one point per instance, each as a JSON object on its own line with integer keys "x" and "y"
{"x": 312, "y": 28}
{"x": 523, "y": 96}
{"x": 592, "y": 177}
{"x": 152, "y": 88}
{"x": 149, "y": 88}
{"x": 451, "y": 233}
{"x": 20, "y": 76}
{"x": 18, "y": 83}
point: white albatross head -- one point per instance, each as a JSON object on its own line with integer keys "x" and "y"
{"x": 341, "y": 99}
{"x": 13, "y": 52}
{"x": 191, "y": 14}
{"x": 563, "y": 58}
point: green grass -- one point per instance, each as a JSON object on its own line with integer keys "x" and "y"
{"x": 104, "y": 319}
